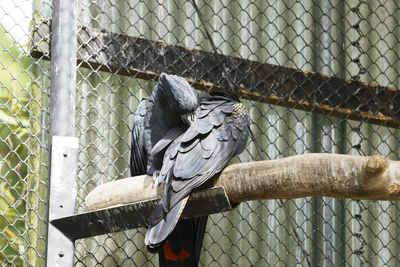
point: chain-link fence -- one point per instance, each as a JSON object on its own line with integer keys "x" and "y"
{"x": 23, "y": 140}
{"x": 315, "y": 76}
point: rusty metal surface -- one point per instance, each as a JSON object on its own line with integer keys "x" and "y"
{"x": 288, "y": 87}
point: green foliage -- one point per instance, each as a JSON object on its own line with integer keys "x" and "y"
{"x": 14, "y": 136}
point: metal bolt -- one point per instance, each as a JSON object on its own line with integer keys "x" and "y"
{"x": 65, "y": 154}
{"x": 61, "y": 254}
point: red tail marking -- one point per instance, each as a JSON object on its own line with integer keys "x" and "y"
{"x": 171, "y": 256}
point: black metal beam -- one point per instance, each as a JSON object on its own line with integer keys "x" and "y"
{"x": 142, "y": 58}
{"x": 213, "y": 200}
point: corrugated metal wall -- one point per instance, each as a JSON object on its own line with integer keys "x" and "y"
{"x": 318, "y": 36}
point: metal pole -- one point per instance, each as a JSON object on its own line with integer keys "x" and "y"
{"x": 63, "y": 68}
{"x": 63, "y": 146}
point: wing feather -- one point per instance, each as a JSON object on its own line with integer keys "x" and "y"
{"x": 138, "y": 157}
{"x": 201, "y": 160}
{"x": 197, "y": 155}
{"x": 216, "y": 117}
{"x": 157, "y": 234}
{"x": 170, "y": 136}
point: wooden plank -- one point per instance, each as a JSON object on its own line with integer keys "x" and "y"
{"x": 134, "y": 215}
{"x": 145, "y": 59}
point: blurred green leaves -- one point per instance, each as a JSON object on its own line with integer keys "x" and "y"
{"x": 14, "y": 136}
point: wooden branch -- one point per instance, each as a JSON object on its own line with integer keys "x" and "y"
{"x": 332, "y": 175}
{"x": 288, "y": 87}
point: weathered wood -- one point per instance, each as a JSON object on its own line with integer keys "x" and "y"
{"x": 142, "y": 58}
{"x": 332, "y": 175}
{"x": 119, "y": 192}
{"x": 134, "y": 215}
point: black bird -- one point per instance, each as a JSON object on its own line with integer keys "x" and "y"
{"x": 219, "y": 132}
{"x": 162, "y": 117}
{"x": 157, "y": 117}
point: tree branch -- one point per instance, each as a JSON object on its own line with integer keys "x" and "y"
{"x": 332, "y": 175}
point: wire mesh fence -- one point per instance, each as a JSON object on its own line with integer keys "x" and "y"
{"x": 315, "y": 77}
{"x": 23, "y": 140}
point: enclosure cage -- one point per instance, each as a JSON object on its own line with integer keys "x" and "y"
{"x": 315, "y": 76}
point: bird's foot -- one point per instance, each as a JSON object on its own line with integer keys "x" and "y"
{"x": 155, "y": 176}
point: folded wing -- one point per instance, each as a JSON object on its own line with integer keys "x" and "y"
{"x": 218, "y": 133}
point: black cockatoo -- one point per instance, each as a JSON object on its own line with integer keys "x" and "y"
{"x": 157, "y": 117}
{"x": 162, "y": 116}
{"x": 219, "y": 131}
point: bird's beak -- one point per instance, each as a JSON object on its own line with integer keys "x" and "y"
{"x": 188, "y": 118}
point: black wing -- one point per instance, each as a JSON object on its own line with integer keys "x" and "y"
{"x": 219, "y": 132}
{"x": 159, "y": 117}
{"x": 138, "y": 158}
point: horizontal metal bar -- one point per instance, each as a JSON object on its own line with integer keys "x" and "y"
{"x": 135, "y": 215}
{"x": 142, "y": 58}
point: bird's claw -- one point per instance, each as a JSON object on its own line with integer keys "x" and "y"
{"x": 155, "y": 176}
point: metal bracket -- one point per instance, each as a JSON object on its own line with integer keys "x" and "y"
{"x": 62, "y": 198}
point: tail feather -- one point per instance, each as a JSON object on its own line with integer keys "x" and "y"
{"x": 157, "y": 234}
{"x": 184, "y": 244}
{"x": 200, "y": 230}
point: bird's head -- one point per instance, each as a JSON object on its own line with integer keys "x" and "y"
{"x": 181, "y": 97}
